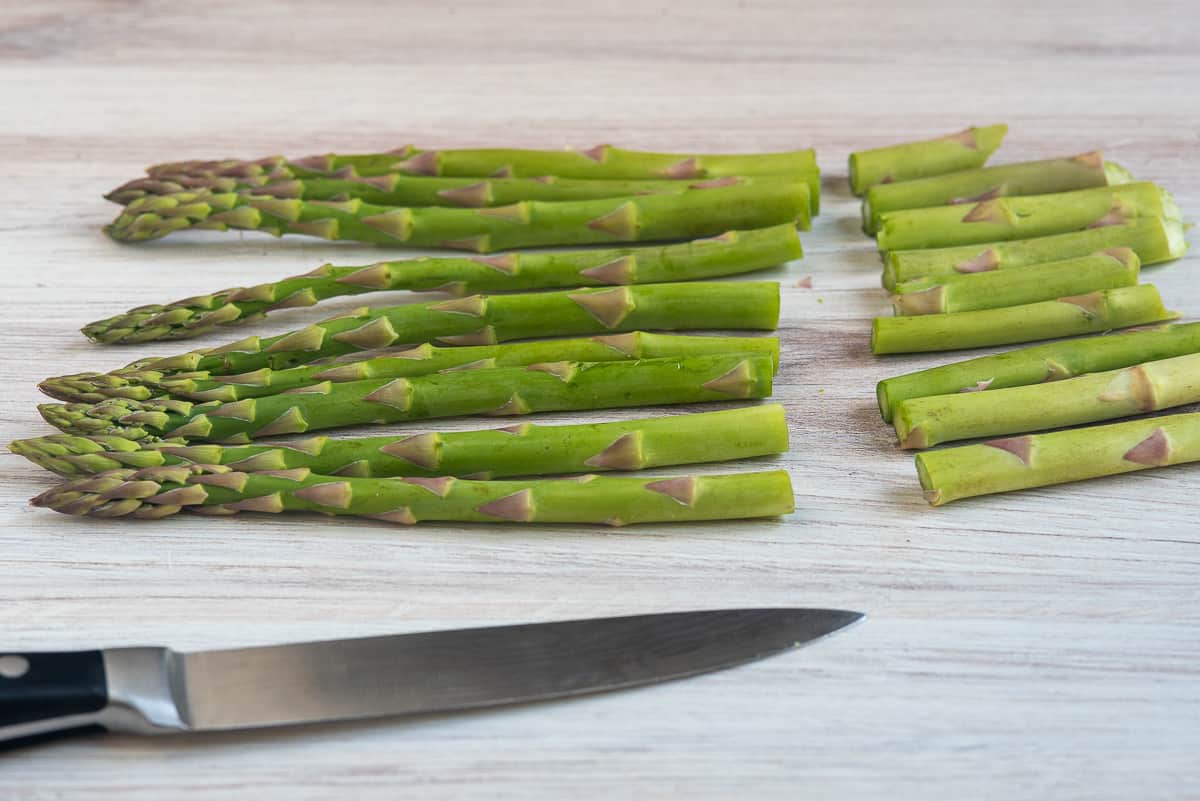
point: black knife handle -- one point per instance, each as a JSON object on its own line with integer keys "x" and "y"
{"x": 42, "y": 688}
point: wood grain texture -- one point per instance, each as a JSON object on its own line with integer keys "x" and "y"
{"x": 1041, "y": 645}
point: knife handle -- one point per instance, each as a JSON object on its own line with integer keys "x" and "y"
{"x": 50, "y": 694}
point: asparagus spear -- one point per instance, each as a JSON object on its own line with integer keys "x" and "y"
{"x": 1050, "y": 362}
{"x": 961, "y": 151}
{"x": 1006, "y": 218}
{"x": 1146, "y": 387}
{"x": 706, "y": 209}
{"x": 398, "y": 189}
{"x": 475, "y": 320}
{"x": 1038, "y": 460}
{"x": 1154, "y": 240}
{"x": 1080, "y": 314}
{"x": 399, "y": 363}
{"x": 549, "y": 386}
{"x": 520, "y": 450}
{"x": 728, "y": 254}
{"x": 970, "y": 186}
{"x": 157, "y": 492}
{"x": 426, "y": 359}
{"x": 1108, "y": 269}
{"x": 600, "y": 162}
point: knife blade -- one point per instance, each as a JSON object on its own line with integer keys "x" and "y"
{"x": 159, "y": 691}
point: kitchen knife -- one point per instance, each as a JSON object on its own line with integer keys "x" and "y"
{"x": 159, "y": 691}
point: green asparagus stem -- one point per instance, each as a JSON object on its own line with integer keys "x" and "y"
{"x": 1050, "y": 362}
{"x": 1007, "y": 218}
{"x": 426, "y": 359}
{"x": 397, "y": 189}
{"x": 961, "y": 151}
{"x": 1146, "y": 387}
{"x": 1038, "y": 460}
{"x": 972, "y": 186}
{"x": 399, "y": 363}
{"x": 1081, "y": 314}
{"x": 520, "y": 450}
{"x": 549, "y": 386}
{"x": 1108, "y": 269}
{"x": 730, "y": 253}
{"x": 475, "y": 320}
{"x": 706, "y": 209}
{"x": 600, "y": 162}
{"x": 157, "y": 492}
{"x": 1154, "y": 241}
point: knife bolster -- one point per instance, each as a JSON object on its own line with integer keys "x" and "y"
{"x": 145, "y": 691}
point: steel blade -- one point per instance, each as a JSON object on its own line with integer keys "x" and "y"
{"x": 466, "y": 668}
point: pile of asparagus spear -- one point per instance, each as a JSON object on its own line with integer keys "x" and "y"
{"x": 184, "y": 432}
{"x": 979, "y": 256}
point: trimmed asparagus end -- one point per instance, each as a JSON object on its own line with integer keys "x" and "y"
{"x": 885, "y": 405}
{"x": 1170, "y": 207}
{"x": 932, "y": 494}
{"x": 989, "y": 137}
{"x": 1116, "y": 174}
{"x": 852, "y": 169}
{"x": 1176, "y": 241}
{"x": 888, "y": 278}
{"x": 909, "y": 436}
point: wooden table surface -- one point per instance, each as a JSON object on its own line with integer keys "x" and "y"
{"x": 1033, "y": 646}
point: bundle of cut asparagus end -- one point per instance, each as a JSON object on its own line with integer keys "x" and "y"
{"x": 978, "y": 256}
{"x": 954, "y": 232}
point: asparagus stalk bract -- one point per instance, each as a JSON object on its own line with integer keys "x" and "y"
{"x": 600, "y": 162}
{"x": 1080, "y": 314}
{"x": 971, "y": 186}
{"x": 1154, "y": 240}
{"x": 1146, "y": 387}
{"x": 552, "y": 386}
{"x": 1038, "y": 460}
{"x": 157, "y": 492}
{"x": 521, "y": 450}
{"x": 1109, "y": 269}
{"x": 707, "y": 209}
{"x": 730, "y": 253}
{"x": 904, "y": 162}
{"x": 1006, "y": 218}
{"x": 398, "y": 363}
{"x": 1052, "y": 361}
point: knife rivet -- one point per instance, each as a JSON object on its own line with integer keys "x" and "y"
{"x": 13, "y": 666}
